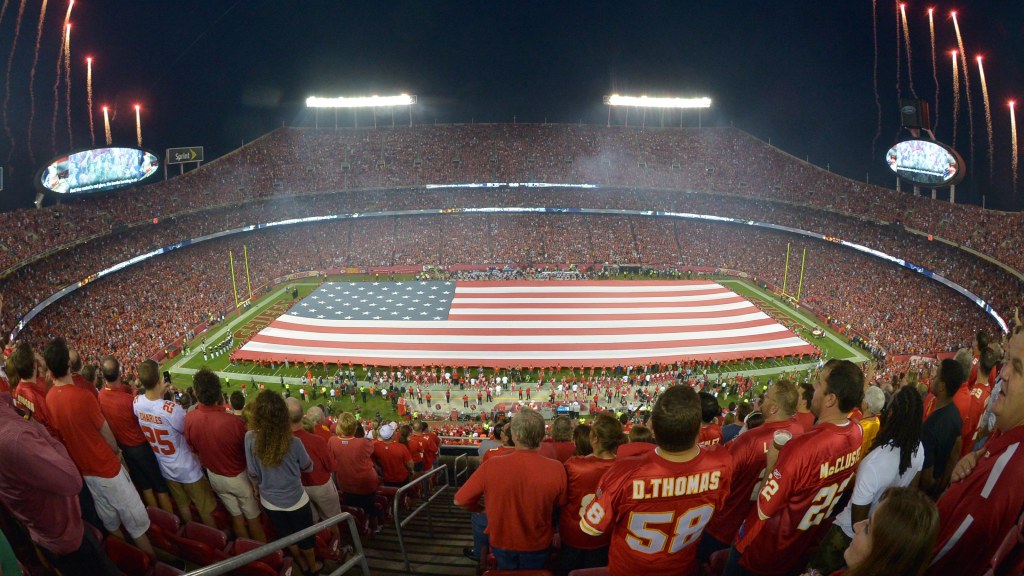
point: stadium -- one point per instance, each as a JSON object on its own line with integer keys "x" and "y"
{"x": 586, "y": 348}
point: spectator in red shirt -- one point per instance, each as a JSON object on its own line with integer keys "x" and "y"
{"x": 710, "y": 429}
{"x": 30, "y": 394}
{"x": 559, "y": 446}
{"x": 394, "y": 457}
{"x": 87, "y": 436}
{"x": 984, "y": 501}
{"x": 116, "y": 405}
{"x": 641, "y": 440}
{"x": 521, "y": 489}
{"x": 354, "y": 473}
{"x": 39, "y": 485}
{"x": 79, "y": 378}
{"x": 317, "y": 483}
{"x": 425, "y": 445}
{"x": 803, "y": 410}
{"x": 579, "y": 549}
{"x": 218, "y": 439}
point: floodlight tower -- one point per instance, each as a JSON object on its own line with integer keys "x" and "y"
{"x": 357, "y": 102}
{"x": 645, "y": 102}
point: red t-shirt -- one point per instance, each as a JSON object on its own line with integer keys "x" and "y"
{"x": 634, "y": 449}
{"x": 116, "y": 406}
{"x": 353, "y": 464}
{"x": 217, "y": 438}
{"x": 392, "y": 457}
{"x": 971, "y": 403}
{"x": 81, "y": 382}
{"x": 417, "y": 445}
{"x": 31, "y": 396}
{"x": 323, "y": 460}
{"x": 522, "y": 489}
{"x": 749, "y": 455}
{"x": 813, "y": 471}
{"x": 656, "y": 510}
{"x": 583, "y": 472}
{"x": 980, "y": 510}
{"x": 499, "y": 451}
{"x": 806, "y": 419}
{"x": 323, "y": 431}
{"x": 561, "y": 451}
{"x": 76, "y": 415}
{"x": 710, "y": 435}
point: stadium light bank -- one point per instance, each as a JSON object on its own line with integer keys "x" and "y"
{"x": 662, "y": 103}
{"x": 357, "y": 102}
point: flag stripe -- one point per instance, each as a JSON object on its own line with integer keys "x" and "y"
{"x": 569, "y": 323}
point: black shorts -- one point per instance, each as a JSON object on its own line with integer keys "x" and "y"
{"x": 368, "y": 503}
{"x": 288, "y": 523}
{"x": 143, "y": 468}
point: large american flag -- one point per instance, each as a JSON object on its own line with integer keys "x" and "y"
{"x": 522, "y": 323}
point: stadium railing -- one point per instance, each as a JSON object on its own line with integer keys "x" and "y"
{"x": 456, "y": 473}
{"x": 358, "y": 559}
{"x": 425, "y": 504}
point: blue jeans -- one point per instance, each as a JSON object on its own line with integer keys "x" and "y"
{"x": 512, "y": 560}
{"x": 479, "y": 521}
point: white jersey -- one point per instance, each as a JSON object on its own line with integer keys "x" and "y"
{"x": 163, "y": 423}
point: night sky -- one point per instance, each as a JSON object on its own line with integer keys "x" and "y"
{"x": 218, "y": 74}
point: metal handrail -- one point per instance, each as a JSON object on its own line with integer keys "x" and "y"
{"x": 455, "y": 468}
{"x": 225, "y": 566}
{"x": 426, "y": 504}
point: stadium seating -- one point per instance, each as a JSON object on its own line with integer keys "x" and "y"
{"x": 128, "y": 559}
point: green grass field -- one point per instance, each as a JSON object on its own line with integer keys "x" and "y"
{"x": 277, "y": 301}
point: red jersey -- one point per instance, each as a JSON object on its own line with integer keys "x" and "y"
{"x": 980, "y": 510}
{"x": 353, "y": 464}
{"x": 522, "y": 489}
{"x": 81, "y": 382}
{"x": 30, "y": 395}
{"x": 710, "y": 435}
{"x": 417, "y": 445}
{"x": 500, "y": 450}
{"x": 749, "y": 456}
{"x": 323, "y": 459}
{"x": 217, "y": 438}
{"x": 806, "y": 419}
{"x": 392, "y": 457}
{"x": 634, "y": 449}
{"x": 116, "y": 405}
{"x": 812, "y": 473}
{"x": 435, "y": 449}
{"x": 584, "y": 473}
{"x": 561, "y": 451}
{"x": 971, "y": 402}
{"x": 657, "y": 510}
{"x": 76, "y": 414}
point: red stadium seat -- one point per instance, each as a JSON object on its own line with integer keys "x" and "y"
{"x": 277, "y": 561}
{"x": 158, "y": 538}
{"x": 214, "y": 538}
{"x": 196, "y": 551}
{"x": 127, "y": 558}
{"x": 167, "y": 522}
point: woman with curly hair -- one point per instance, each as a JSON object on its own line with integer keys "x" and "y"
{"x": 275, "y": 460}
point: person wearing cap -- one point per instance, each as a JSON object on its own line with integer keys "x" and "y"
{"x": 394, "y": 458}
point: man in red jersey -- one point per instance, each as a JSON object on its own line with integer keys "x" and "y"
{"x": 92, "y": 446}
{"x": 710, "y": 430}
{"x": 984, "y": 501}
{"x": 316, "y": 483}
{"x": 803, "y": 409}
{"x": 971, "y": 400}
{"x": 394, "y": 457}
{"x": 30, "y": 394}
{"x": 218, "y": 438}
{"x": 560, "y": 445}
{"x": 750, "y": 454}
{"x": 805, "y": 484}
{"x": 657, "y": 504}
{"x": 522, "y": 489}
{"x": 423, "y": 445}
{"x": 116, "y": 404}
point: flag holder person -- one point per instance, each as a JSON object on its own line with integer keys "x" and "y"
{"x": 657, "y": 504}
{"x": 804, "y": 481}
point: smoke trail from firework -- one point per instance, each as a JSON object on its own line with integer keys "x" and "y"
{"x": 874, "y": 76}
{"x": 10, "y": 63}
{"x": 32, "y": 82}
{"x": 1013, "y": 144}
{"x": 935, "y": 67}
{"x": 56, "y": 80}
{"x": 88, "y": 88}
{"x": 138, "y": 126}
{"x": 988, "y": 120}
{"x": 67, "y": 82}
{"x": 906, "y": 43}
{"x": 956, "y": 96}
{"x": 967, "y": 87}
{"x": 899, "y": 57}
{"x": 106, "y": 126}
